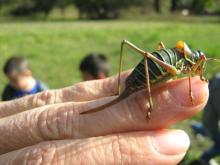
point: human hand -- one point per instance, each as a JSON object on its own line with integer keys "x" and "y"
{"x": 47, "y": 128}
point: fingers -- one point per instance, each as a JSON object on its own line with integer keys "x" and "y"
{"x": 159, "y": 147}
{"x": 89, "y": 90}
{"x": 171, "y": 104}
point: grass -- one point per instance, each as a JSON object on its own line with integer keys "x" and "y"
{"x": 55, "y": 49}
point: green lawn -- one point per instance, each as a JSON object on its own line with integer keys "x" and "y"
{"x": 55, "y": 49}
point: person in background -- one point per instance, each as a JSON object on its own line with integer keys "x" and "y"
{"x": 210, "y": 123}
{"x": 94, "y": 66}
{"x": 21, "y": 81}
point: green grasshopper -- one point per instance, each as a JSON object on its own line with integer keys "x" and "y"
{"x": 158, "y": 67}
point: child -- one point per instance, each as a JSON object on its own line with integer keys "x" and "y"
{"x": 94, "y": 66}
{"x": 21, "y": 81}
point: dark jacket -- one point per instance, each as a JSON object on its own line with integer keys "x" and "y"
{"x": 211, "y": 115}
{"x": 11, "y": 93}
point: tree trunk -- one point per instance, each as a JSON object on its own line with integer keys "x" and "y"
{"x": 157, "y": 6}
{"x": 173, "y": 5}
{"x": 63, "y": 12}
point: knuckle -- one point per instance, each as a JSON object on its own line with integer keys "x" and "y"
{"x": 45, "y": 97}
{"x": 123, "y": 151}
{"x": 77, "y": 93}
{"x": 57, "y": 122}
{"x": 42, "y": 154}
{"x": 47, "y": 126}
{"x": 117, "y": 150}
{"x": 127, "y": 149}
{"x": 79, "y": 88}
{"x": 109, "y": 86}
{"x": 64, "y": 122}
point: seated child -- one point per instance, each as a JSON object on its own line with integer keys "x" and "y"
{"x": 21, "y": 81}
{"x": 94, "y": 66}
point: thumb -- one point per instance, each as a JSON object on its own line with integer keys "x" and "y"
{"x": 156, "y": 147}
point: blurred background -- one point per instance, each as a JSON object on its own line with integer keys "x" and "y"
{"x": 54, "y": 36}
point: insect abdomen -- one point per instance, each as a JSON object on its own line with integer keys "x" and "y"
{"x": 136, "y": 80}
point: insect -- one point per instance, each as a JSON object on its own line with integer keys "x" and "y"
{"x": 158, "y": 67}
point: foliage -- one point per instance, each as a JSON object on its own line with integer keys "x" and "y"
{"x": 200, "y": 6}
{"x": 44, "y": 5}
{"x": 27, "y": 7}
{"x": 103, "y": 9}
{"x": 106, "y": 9}
{"x": 195, "y": 6}
{"x": 22, "y": 7}
{"x": 62, "y": 4}
{"x": 157, "y": 5}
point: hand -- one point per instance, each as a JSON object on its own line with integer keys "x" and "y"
{"x": 47, "y": 128}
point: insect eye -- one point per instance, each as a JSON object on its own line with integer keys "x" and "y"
{"x": 201, "y": 53}
{"x": 196, "y": 54}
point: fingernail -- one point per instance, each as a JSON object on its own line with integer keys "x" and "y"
{"x": 173, "y": 142}
{"x": 179, "y": 90}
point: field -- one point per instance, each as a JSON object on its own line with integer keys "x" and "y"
{"x": 54, "y": 49}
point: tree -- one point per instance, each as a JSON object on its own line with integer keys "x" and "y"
{"x": 103, "y": 9}
{"x": 62, "y": 4}
{"x": 28, "y": 7}
{"x": 195, "y": 6}
{"x": 200, "y": 6}
{"x": 173, "y": 5}
{"x": 157, "y": 5}
{"x": 19, "y": 7}
{"x": 44, "y": 6}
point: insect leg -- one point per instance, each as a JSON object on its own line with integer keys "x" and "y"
{"x": 121, "y": 59}
{"x": 202, "y": 73}
{"x": 169, "y": 68}
{"x": 190, "y": 86}
{"x": 161, "y": 46}
{"x": 148, "y": 88}
{"x": 143, "y": 53}
{"x": 120, "y": 67}
{"x": 200, "y": 66}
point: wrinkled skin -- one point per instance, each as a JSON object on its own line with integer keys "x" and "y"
{"x": 47, "y": 128}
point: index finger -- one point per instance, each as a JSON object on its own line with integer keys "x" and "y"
{"x": 63, "y": 121}
{"x": 84, "y": 91}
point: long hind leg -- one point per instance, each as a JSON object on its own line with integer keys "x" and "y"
{"x": 120, "y": 67}
{"x": 147, "y": 83}
{"x": 190, "y": 86}
{"x": 171, "y": 69}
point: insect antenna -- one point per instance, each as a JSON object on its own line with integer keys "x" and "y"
{"x": 214, "y": 59}
{"x": 212, "y": 67}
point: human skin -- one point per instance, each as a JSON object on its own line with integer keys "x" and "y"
{"x": 47, "y": 128}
